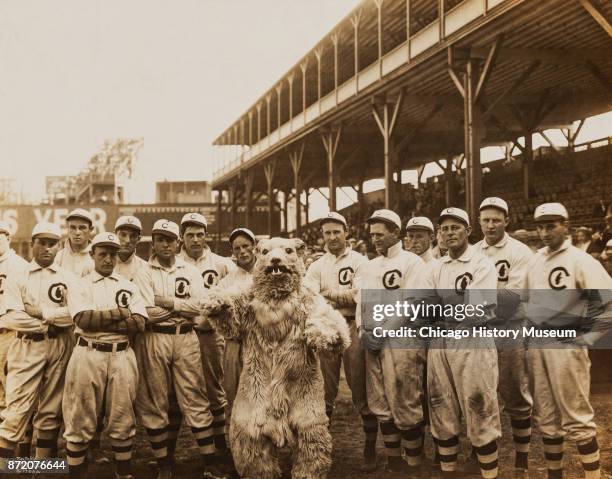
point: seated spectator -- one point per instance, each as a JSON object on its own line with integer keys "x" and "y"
{"x": 583, "y": 242}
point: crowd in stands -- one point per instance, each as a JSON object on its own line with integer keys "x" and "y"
{"x": 579, "y": 180}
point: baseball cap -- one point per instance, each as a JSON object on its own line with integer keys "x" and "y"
{"x": 128, "y": 222}
{"x": 166, "y": 227}
{"x": 609, "y": 243}
{"x": 80, "y": 213}
{"x": 456, "y": 213}
{"x": 5, "y": 228}
{"x": 420, "y": 223}
{"x": 494, "y": 202}
{"x": 385, "y": 216}
{"x": 550, "y": 211}
{"x": 45, "y": 229}
{"x": 195, "y": 219}
{"x": 334, "y": 217}
{"x": 244, "y": 232}
{"x": 106, "y": 239}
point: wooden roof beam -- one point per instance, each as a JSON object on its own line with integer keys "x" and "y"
{"x": 562, "y": 57}
{"x": 597, "y": 15}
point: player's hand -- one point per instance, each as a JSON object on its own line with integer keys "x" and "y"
{"x": 164, "y": 302}
{"x": 587, "y": 339}
{"x": 33, "y": 311}
{"x": 370, "y": 342}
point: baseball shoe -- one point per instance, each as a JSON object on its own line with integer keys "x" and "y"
{"x": 126, "y": 476}
{"x": 95, "y": 456}
{"x": 521, "y": 473}
{"x": 214, "y": 472}
{"x": 369, "y": 463}
{"x": 164, "y": 473}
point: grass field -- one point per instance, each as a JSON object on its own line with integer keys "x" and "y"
{"x": 348, "y": 443}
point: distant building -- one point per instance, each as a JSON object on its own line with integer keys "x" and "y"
{"x": 10, "y": 191}
{"x": 180, "y": 192}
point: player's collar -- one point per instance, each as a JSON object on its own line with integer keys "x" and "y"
{"x": 464, "y": 258}
{"x": 95, "y": 276}
{"x": 83, "y": 251}
{"x": 427, "y": 255}
{"x": 34, "y": 266}
{"x": 346, "y": 251}
{"x": 179, "y": 262}
{"x": 183, "y": 254}
{"x": 566, "y": 244}
{"x": 394, "y": 250}
{"x": 500, "y": 244}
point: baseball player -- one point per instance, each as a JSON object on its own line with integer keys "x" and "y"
{"x": 168, "y": 352}
{"x": 393, "y": 375}
{"x": 75, "y": 257}
{"x": 462, "y": 377}
{"x": 510, "y": 257}
{"x": 128, "y": 230}
{"x": 10, "y": 263}
{"x": 440, "y": 249}
{"x": 242, "y": 241}
{"x": 212, "y": 268}
{"x": 560, "y": 377}
{"x": 606, "y": 257}
{"x": 102, "y": 370}
{"x": 332, "y": 276}
{"x": 419, "y": 237}
{"x": 40, "y": 314}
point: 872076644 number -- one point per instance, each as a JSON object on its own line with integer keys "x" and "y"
{"x": 30, "y": 465}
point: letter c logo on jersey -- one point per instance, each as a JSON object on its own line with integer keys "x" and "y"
{"x": 556, "y": 277}
{"x": 211, "y": 278}
{"x": 181, "y": 287}
{"x": 503, "y": 270}
{"x": 462, "y": 282}
{"x": 2, "y": 278}
{"x": 122, "y": 298}
{"x": 345, "y": 275}
{"x": 391, "y": 279}
{"x": 57, "y": 292}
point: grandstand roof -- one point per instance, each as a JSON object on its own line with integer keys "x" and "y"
{"x": 553, "y": 57}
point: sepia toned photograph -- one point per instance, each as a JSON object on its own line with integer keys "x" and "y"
{"x": 306, "y": 239}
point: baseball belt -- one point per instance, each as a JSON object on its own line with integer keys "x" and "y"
{"x": 37, "y": 337}
{"x": 104, "y": 347}
{"x": 171, "y": 329}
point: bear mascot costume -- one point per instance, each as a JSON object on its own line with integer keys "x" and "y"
{"x": 282, "y": 326}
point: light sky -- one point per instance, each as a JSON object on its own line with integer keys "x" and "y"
{"x": 76, "y": 72}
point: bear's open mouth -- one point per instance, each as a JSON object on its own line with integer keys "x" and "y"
{"x": 276, "y": 270}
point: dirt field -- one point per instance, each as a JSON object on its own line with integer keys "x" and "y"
{"x": 347, "y": 435}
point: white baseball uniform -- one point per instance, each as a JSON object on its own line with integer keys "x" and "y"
{"x": 394, "y": 375}
{"x": 462, "y": 380}
{"x": 562, "y": 286}
{"x": 38, "y": 355}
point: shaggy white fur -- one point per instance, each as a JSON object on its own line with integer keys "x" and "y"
{"x": 280, "y": 400}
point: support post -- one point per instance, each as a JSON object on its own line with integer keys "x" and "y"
{"x": 248, "y": 198}
{"x": 472, "y": 89}
{"x": 386, "y": 120}
{"x": 286, "y": 210}
{"x": 331, "y": 138}
{"x": 472, "y": 139}
{"x": 334, "y": 39}
{"x": 269, "y": 170}
{"x": 295, "y": 158}
{"x": 232, "y": 195}
{"x": 218, "y": 220}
